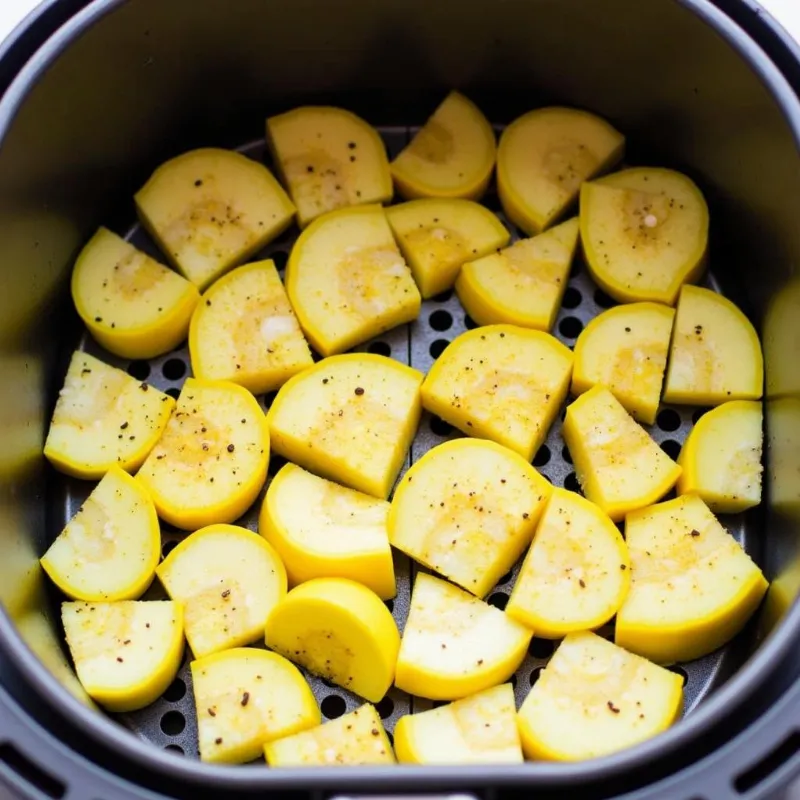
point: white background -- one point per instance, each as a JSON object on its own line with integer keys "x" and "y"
{"x": 786, "y": 11}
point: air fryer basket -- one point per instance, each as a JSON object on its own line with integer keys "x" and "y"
{"x": 127, "y": 84}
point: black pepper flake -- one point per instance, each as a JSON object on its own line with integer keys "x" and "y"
{"x": 123, "y": 426}
{"x": 359, "y": 391}
{"x": 144, "y": 387}
{"x": 525, "y": 515}
{"x": 119, "y": 659}
{"x": 231, "y": 448}
{"x": 198, "y": 182}
{"x": 309, "y": 168}
{"x": 211, "y": 712}
{"x": 127, "y": 641}
{"x": 98, "y": 319}
{"x": 612, "y": 707}
{"x": 245, "y": 698}
{"x": 622, "y": 567}
{"x": 208, "y": 302}
{"x": 627, "y": 330}
{"x": 351, "y": 145}
{"x": 218, "y": 740}
{"x": 352, "y": 158}
{"x": 226, "y": 593}
{"x": 581, "y": 583}
{"x": 147, "y": 624}
{"x": 694, "y": 532}
{"x": 375, "y": 732}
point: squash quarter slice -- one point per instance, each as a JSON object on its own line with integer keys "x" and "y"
{"x": 715, "y": 354}
{"x": 500, "y": 382}
{"x": 229, "y": 579}
{"x": 543, "y": 158}
{"x": 126, "y": 654}
{"x": 625, "y": 349}
{"x": 329, "y": 158}
{"x": 109, "y": 550}
{"x": 522, "y": 284}
{"x": 618, "y": 465}
{"x": 132, "y": 305}
{"x": 211, "y": 209}
{"x": 339, "y": 630}
{"x": 480, "y": 729}
{"x": 347, "y": 281}
{"x": 454, "y": 644}
{"x": 323, "y": 530}
{"x": 245, "y": 331}
{"x": 451, "y": 156}
{"x": 594, "y": 698}
{"x": 350, "y": 418}
{"x": 211, "y": 461}
{"x": 468, "y": 509}
{"x": 436, "y": 236}
{"x": 246, "y": 698}
{"x": 692, "y": 586}
{"x": 577, "y": 572}
{"x": 104, "y": 417}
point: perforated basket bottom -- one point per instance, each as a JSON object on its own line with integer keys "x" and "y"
{"x": 170, "y": 722}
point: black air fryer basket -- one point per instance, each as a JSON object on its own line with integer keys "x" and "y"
{"x": 98, "y": 93}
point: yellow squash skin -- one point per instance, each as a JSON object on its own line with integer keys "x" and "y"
{"x": 212, "y": 209}
{"x": 323, "y": 530}
{"x": 715, "y": 355}
{"x": 576, "y": 574}
{"x": 126, "y": 653}
{"x": 543, "y": 158}
{"x": 347, "y": 280}
{"x": 644, "y": 233}
{"x": 625, "y": 349}
{"x": 618, "y": 465}
{"x": 132, "y": 305}
{"x": 339, "y": 630}
{"x": 109, "y": 550}
{"x": 245, "y": 331}
{"x": 500, "y": 382}
{"x": 357, "y": 738}
{"x": 593, "y": 698}
{"x": 246, "y": 698}
{"x": 454, "y": 644}
{"x": 468, "y": 509}
{"x": 452, "y": 155}
{"x": 104, "y": 418}
{"x": 350, "y": 418}
{"x": 436, "y": 236}
{"x": 692, "y": 586}
{"x": 229, "y": 579}
{"x": 721, "y": 457}
{"x": 211, "y": 461}
{"x": 329, "y": 158}
{"x": 522, "y": 284}
{"x": 480, "y": 729}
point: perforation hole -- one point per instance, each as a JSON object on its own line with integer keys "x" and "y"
{"x": 540, "y": 648}
{"x": 444, "y": 296}
{"x": 469, "y": 323}
{"x": 173, "y": 723}
{"x": 668, "y": 420}
{"x": 570, "y": 327}
{"x": 438, "y": 347}
{"x": 671, "y": 448}
{"x": 174, "y": 392}
{"x": 603, "y": 300}
{"x": 498, "y": 600}
{"x": 139, "y": 370}
{"x": 173, "y": 369}
{"x": 571, "y": 483}
{"x": 175, "y": 691}
{"x": 333, "y": 706}
{"x": 535, "y": 673}
{"x": 386, "y": 707}
{"x": 380, "y": 349}
{"x": 441, "y": 320}
{"x": 506, "y": 578}
{"x": 440, "y": 427}
{"x": 542, "y": 456}
{"x": 572, "y": 298}
{"x": 565, "y": 454}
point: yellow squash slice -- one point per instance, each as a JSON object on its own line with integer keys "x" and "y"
{"x": 522, "y": 284}
{"x": 339, "y": 630}
{"x": 246, "y": 698}
{"x": 577, "y": 571}
{"x": 715, "y": 354}
{"x": 436, "y": 236}
{"x": 481, "y": 729}
{"x": 329, "y": 158}
{"x": 501, "y": 382}
{"x": 229, "y": 579}
{"x": 644, "y": 233}
{"x": 131, "y": 304}
{"x": 347, "y": 281}
{"x": 245, "y": 331}
{"x": 618, "y": 465}
{"x": 357, "y": 738}
{"x": 625, "y": 349}
{"x": 593, "y": 698}
{"x": 211, "y": 462}
{"x": 721, "y": 458}
{"x": 454, "y": 644}
{"x": 781, "y": 343}
{"x": 468, "y": 509}
{"x": 323, "y": 530}
{"x": 212, "y": 209}
{"x": 543, "y": 158}
{"x": 104, "y": 417}
{"x": 110, "y": 548}
{"x": 783, "y": 445}
{"x": 692, "y": 586}
{"x": 126, "y": 654}
{"x": 350, "y": 418}
{"x": 451, "y": 156}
